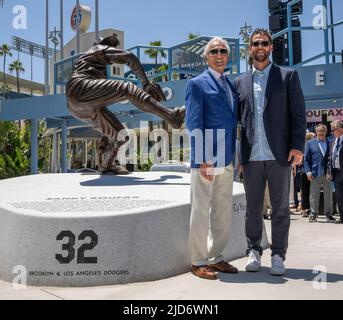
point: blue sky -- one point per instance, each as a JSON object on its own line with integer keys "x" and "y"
{"x": 148, "y": 20}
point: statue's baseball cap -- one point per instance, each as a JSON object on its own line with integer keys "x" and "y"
{"x": 111, "y": 41}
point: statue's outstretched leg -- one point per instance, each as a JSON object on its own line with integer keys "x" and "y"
{"x": 146, "y": 103}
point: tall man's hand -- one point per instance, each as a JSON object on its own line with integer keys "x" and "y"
{"x": 207, "y": 171}
{"x": 296, "y": 155}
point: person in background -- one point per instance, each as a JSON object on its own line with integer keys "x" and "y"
{"x": 267, "y": 207}
{"x": 305, "y": 184}
{"x": 315, "y": 165}
{"x": 335, "y": 165}
{"x": 238, "y": 167}
{"x": 296, "y": 180}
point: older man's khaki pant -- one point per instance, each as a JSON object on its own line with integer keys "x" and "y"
{"x": 210, "y": 216}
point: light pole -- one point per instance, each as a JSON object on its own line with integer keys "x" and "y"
{"x": 31, "y": 54}
{"x": 61, "y": 30}
{"x": 332, "y": 33}
{"x": 77, "y": 26}
{"x": 54, "y": 39}
{"x": 96, "y": 20}
{"x": 46, "y": 53}
{"x": 61, "y": 89}
{"x": 245, "y": 32}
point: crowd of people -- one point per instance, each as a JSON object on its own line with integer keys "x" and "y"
{"x": 313, "y": 190}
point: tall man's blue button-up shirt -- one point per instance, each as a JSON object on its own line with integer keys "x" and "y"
{"x": 260, "y": 150}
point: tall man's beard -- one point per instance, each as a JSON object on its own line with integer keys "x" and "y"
{"x": 260, "y": 58}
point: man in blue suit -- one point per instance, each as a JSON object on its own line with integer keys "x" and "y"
{"x": 335, "y": 166}
{"x": 271, "y": 110}
{"x": 211, "y": 121}
{"x": 315, "y": 165}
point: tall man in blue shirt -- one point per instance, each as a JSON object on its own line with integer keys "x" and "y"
{"x": 271, "y": 110}
{"x": 211, "y": 121}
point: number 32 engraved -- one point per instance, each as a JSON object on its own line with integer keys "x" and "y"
{"x": 69, "y": 247}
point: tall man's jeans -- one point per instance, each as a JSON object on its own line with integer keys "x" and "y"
{"x": 255, "y": 175}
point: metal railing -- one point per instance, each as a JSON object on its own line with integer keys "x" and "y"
{"x": 325, "y": 28}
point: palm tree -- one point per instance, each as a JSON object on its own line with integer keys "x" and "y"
{"x": 5, "y": 50}
{"x": 153, "y": 53}
{"x": 162, "y": 68}
{"x": 16, "y": 66}
{"x": 192, "y": 36}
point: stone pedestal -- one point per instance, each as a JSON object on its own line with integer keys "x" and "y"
{"x": 173, "y": 167}
{"x": 83, "y": 229}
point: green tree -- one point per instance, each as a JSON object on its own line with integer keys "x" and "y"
{"x": 5, "y": 50}
{"x": 15, "y": 151}
{"x": 192, "y": 36}
{"x": 153, "y": 53}
{"x": 16, "y": 66}
{"x": 162, "y": 68}
{"x": 4, "y": 89}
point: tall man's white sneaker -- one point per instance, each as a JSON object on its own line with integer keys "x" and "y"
{"x": 254, "y": 261}
{"x": 277, "y": 268}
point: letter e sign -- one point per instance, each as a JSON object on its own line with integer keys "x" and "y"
{"x": 320, "y": 78}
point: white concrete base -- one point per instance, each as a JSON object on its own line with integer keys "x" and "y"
{"x": 174, "y": 167}
{"x": 90, "y": 230}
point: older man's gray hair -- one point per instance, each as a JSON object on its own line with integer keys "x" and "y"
{"x": 336, "y": 124}
{"x": 214, "y": 40}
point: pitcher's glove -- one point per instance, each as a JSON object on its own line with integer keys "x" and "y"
{"x": 155, "y": 91}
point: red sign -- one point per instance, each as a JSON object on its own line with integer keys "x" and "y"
{"x": 73, "y": 18}
{"x": 84, "y": 16}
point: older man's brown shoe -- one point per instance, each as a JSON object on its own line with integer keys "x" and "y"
{"x": 224, "y": 267}
{"x": 204, "y": 272}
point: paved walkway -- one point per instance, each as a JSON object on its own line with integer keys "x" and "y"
{"x": 311, "y": 246}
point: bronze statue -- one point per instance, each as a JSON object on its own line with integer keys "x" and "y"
{"x": 89, "y": 92}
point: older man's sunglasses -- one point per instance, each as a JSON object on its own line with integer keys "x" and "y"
{"x": 260, "y": 43}
{"x": 213, "y": 52}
